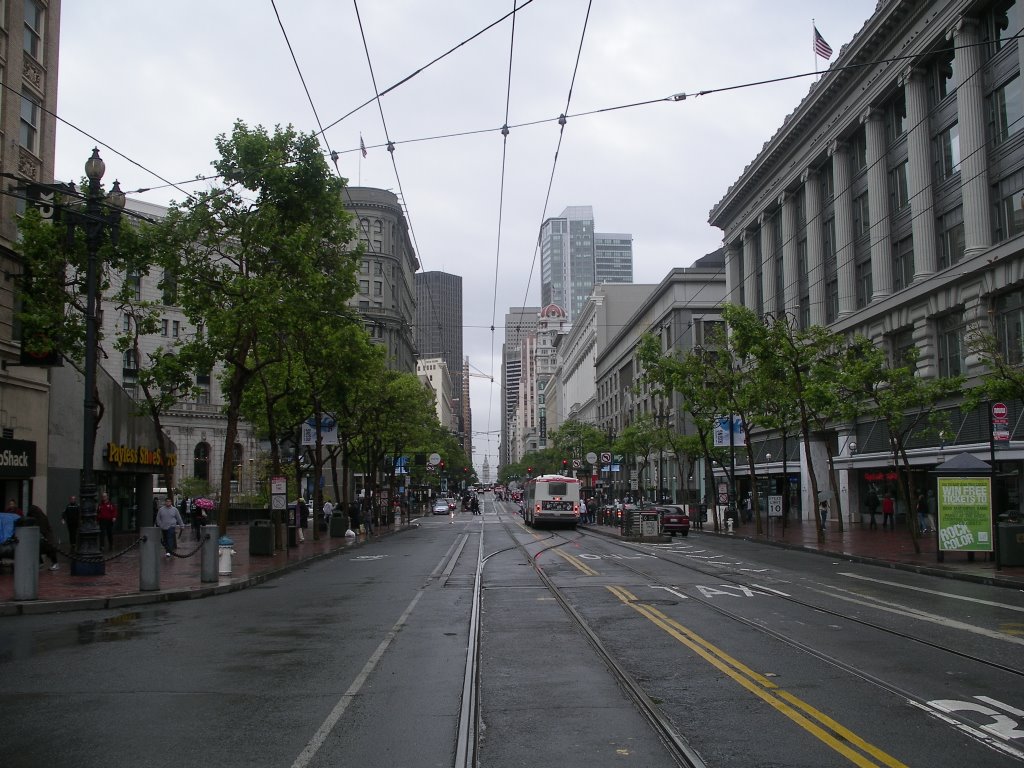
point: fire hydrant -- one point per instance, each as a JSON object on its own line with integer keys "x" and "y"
{"x": 226, "y": 550}
{"x": 728, "y": 525}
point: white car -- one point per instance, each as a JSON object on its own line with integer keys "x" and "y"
{"x": 440, "y": 507}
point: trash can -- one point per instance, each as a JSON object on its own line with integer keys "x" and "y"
{"x": 293, "y": 536}
{"x": 261, "y": 537}
{"x": 1011, "y": 543}
{"x": 339, "y": 524}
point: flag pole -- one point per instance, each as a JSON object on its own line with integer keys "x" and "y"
{"x": 814, "y": 51}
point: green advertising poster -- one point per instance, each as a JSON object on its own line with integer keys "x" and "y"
{"x": 965, "y": 514}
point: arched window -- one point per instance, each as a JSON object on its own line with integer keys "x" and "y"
{"x": 201, "y": 462}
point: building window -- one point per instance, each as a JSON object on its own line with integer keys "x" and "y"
{"x": 947, "y": 152}
{"x": 365, "y": 268}
{"x": 861, "y": 216}
{"x": 831, "y": 300}
{"x": 951, "y": 237}
{"x": 364, "y": 286}
{"x": 203, "y": 388}
{"x": 826, "y": 179}
{"x": 1000, "y": 25}
{"x": 903, "y": 263}
{"x": 378, "y": 288}
{"x": 862, "y": 277}
{"x": 859, "y": 151}
{"x": 28, "y": 136}
{"x": 201, "y": 462}
{"x": 950, "y": 332}
{"x": 126, "y": 323}
{"x": 130, "y": 361}
{"x": 1009, "y": 326}
{"x": 33, "y": 29}
{"x": 176, "y": 328}
{"x": 901, "y": 345}
{"x": 133, "y": 282}
{"x": 164, "y": 327}
{"x": 1009, "y": 218}
{"x": 942, "y": 76}
{"x": 169, "y": 289}
{"x": 899, "y": 194}
{"x": 896, "y": 117}
{"x": 1005, "y": 110}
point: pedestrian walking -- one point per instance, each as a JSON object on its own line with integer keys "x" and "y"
{"x": 106, "y": 516}
{"x": 823, "y": 513}
{"x": 583, "y": 511}
{"x": 168, "y": 520}
{"x": 71, "y": 517}
{"x": 888, "y": 512}
{"x": 328, "y": 510}
{"x": 871, "y": 503}
{"x": 199, "y": 519}
{"x": 921, "y": 507}
{"x": 46, "y": 547}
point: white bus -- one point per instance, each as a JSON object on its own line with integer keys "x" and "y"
{"x": 551, "y": 500}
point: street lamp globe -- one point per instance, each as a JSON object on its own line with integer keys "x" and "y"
{"x": 94, "y": 166}
{"x": 116, "y": 198}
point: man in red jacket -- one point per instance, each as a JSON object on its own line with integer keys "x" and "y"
{"x": 106, "y": 516}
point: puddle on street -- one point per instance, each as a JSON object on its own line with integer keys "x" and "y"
{"x": 21, "y": 644}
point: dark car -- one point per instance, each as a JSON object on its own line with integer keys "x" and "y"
{"x": 674, "y": 519}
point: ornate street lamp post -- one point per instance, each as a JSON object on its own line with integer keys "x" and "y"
{"x": 99, "y": 215}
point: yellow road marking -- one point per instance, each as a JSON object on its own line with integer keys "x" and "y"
{"x": 800, "y": 712}
{"x": 576, "y": 562}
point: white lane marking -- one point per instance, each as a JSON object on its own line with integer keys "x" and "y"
{"x": 680, "y": 595}
{"x": 1001, "y": 705}
{"x": 1004, "y": 727}
{"x": 970, "y": 730}
{"x": 310, "y": 750}
{"x": 922, "y": 615}
{"x": 769, "y": 589}
{"x": 935, "y": 592}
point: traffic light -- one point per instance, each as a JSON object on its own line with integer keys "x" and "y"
{"x": 442, "y": 465}
{"x": 529, "y": 470}
{"x": 565, "y": 465}
{"x": 465, "y": 470}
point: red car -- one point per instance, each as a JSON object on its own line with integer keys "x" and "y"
{"x": 674, "y": 519}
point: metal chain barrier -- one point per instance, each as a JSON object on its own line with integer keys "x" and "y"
{"x": 199, "y": 546}
{"x": 98, "y": 558}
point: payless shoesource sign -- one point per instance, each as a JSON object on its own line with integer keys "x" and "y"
{"x": 138, "y": 456}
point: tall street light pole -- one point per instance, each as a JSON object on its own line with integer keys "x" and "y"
{"x": 98, "y": 216}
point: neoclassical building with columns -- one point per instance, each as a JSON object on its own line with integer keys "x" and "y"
{"x": 890, "y": 204}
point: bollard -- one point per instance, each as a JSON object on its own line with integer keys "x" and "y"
{"x": 149, "y": 559}
{"x": 208, "y": 555}
{"x": 225, "y": 546}
{"x": 26, "y": 563}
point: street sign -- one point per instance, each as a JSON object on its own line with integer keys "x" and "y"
{"x": 591, "y": 457}
{"x": 1000, "y": 413}
{"x": 435, "y": 459}
{"x": 577, "y": 464}
{"x": 606, "y": 457}
{"x": 278, "y": 485}
{"x": 775, "y": 506}
{"x": 1000, "y": 434}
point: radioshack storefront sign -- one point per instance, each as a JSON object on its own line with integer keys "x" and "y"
{"x": 17, "y": 458}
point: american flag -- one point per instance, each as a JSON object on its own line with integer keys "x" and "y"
{"x": 362, "y": 147}
{"x": 821, "y": 48}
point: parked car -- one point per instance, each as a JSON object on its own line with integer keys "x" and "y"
{"x": 440, "y": 507}
{"x": 674, "y": 519}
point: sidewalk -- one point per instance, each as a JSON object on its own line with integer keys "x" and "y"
{"x": 179, "y": 576}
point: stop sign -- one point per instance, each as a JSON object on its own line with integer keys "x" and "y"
{"x": 999, "y": 412}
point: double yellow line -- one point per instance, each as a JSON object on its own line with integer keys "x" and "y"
{"x": 575, "y": 561}
{"x": 815, "y": 722}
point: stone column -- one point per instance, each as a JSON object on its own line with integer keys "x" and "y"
{"x": 844, "y": 227}
{"x": 919, "y": 172}
{"x": 878, "y": 205}
{"x": 750, "y": 270}
{"x": 790, "y": 268}
{"x": 815, "y": 266}
{"x": 767, "y": 263}
{"x": 971, "y": 117}
{"x": 733, "y": 254}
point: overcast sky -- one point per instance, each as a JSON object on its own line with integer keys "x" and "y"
{"x": 154, "y": 82}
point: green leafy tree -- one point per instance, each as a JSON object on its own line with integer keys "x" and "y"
{"x": 250, "y": 254}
